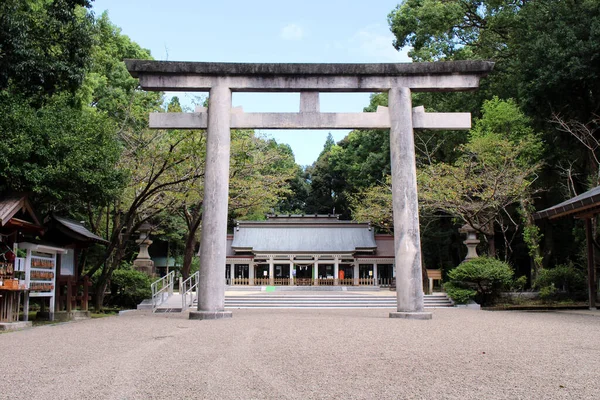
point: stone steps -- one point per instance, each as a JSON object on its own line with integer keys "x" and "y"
{"x": 326, "y": 301}
{"x": 315, "y": 300}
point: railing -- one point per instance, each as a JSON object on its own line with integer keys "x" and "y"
{"x": 365, "y": 281}
{"x": 281, "y": 281}
{"x": 326, "y": 282}
{"x": 304, "y": 281}
{"x": 186, "y": 288}
{"x": 72, "y": 293}
{"x": 240, "y": 281}
{"x": 347, "y": 282}
{"x": 261, "y": 281}
{"x": 162, "y": 289}
{"x": 385, "y": 282}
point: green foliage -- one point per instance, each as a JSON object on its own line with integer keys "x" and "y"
{"x": 548, "y": 293}
{"x": 459, "y": 294}
{"x": 129, "y": 287}
{"x": 453, "y": 29}
{"x": 487, "y": 276}
{"x": 496, "y": 169}
{"x": 519, "y": 284}
{"x": 556, "y": 46}
{"x": 44, "y": 46}
{"x": 564, "y": 278}
{"x": 64, "y": 156}
{"x": 374, "y": 205}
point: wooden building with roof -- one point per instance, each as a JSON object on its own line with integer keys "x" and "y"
{"x": 585, "y": 207}
{"x": 308, "y": 250}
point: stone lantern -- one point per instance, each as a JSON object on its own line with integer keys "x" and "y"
{"x": 143, "y": 262}
{"x": 471, "y": 242}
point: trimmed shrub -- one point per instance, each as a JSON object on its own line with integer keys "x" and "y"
{"x": 562, "y": 281}
{"x": 458, "y": 294}
{"x": 129, "y": 287}
{"x": 564, "y": 277}
{"x": 484, "y": 275}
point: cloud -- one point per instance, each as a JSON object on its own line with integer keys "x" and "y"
{"x": 374, "y": 44}
{"x": 292, "y": 32}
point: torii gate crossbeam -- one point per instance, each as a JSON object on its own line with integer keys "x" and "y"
{"x": 399, "y": 80}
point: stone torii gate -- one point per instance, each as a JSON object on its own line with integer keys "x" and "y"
{"x": 398, "y": 80}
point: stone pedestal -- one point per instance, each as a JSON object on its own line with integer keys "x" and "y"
{"x": 210, "y": 314}
{"x": 411, "y": 315}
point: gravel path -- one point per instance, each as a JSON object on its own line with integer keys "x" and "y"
{"x": 308, "y": 354}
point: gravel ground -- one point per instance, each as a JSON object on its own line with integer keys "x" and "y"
{"x": 308, "y": 354}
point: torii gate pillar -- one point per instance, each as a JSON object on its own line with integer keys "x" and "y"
{"x": 405, "y": 206}
{"x": 211, "y": 294}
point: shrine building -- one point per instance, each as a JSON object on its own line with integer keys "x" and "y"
{"x": 308, "y": 250}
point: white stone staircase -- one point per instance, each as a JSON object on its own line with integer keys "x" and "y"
{"x": 330, "y": 300}
{"x": 309, "y": 300}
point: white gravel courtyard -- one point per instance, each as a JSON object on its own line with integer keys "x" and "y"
{"x": 308, "y": 354}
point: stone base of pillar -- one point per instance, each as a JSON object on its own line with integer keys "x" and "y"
{"x": 336, "y": 282}
{"x": 271, "y": 282}
{"x": 411, "y": 315}
{"x": 315, "y": 282}
{"x": 210, "y": 314}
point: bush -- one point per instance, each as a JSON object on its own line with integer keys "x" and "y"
{"x": 484, "y": 275}
{"x": 565, "y": 278}
{"x": 548, "y": 292}
{"x": 458, "y": 294}
{"x": 561, "y": 282}
{"x": 129, "y": 287}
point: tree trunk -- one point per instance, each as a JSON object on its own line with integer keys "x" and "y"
{"x": 193, "y": 220}
{"x": 99, "y": 294}
{"x": 491, "y": 238}
{"x": 425, "y": 280}
{"x": 532, "y": 237}
{"x": 188, "y": 255}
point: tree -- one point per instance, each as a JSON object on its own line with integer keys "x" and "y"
{"x": 324, "y": 191}
{"x": 63, "y": 156}
{"x": 495, "y": 171}
{"x": 44, "y": 46}
{"x": 158, "y": 163}
{"x": 499, "y": 164}
{"x": 454, "y": 29}
{"x": 556, "y": 45}
{"x": 259, "y": 175}
{"x": 374, "y": 204}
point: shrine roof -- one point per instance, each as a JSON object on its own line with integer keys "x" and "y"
{"x": 77, "y": 231}
{"x": 587, "y": 203}
{"x": 303, "y": 235}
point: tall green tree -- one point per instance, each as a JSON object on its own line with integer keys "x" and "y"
{"x": 45, "y": 46}
{"x": 64, "y": 157}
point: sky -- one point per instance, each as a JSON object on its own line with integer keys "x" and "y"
{"x": 326, "y": 31}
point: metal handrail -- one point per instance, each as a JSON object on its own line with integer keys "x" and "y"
{"x": 162, "y": 287}
{"x": 186, "y": 288}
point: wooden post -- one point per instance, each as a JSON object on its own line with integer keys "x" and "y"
{"x": 69, "y": 295}
{"x": 84, "y": 300}
{"x": 591, "y": 264}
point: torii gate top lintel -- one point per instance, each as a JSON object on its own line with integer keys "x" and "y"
{"x": 273, "y": 77}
